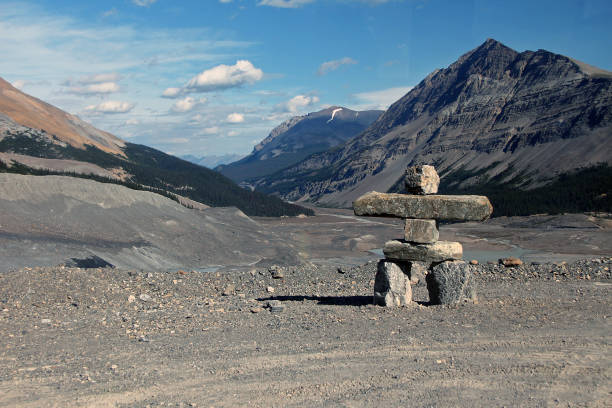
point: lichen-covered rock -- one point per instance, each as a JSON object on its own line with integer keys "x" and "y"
{"x": 421, "y": 231}
{"x": 450, "y": 283}
{"x": 436, "y": 252}
{"x": 392, "y": 285}
{"x": 422, "y": 179}
{"x": 437, "y": 207}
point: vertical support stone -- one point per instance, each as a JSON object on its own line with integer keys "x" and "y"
{"x": 451, "y": 282}
{"x": 392, "y": 285}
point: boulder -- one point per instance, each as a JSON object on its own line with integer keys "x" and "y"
{"x": 392, "y": 285}
{"x": 510, "y": 262}
{"x": 421, "y": 231}
{"x": 450, "y": 283}
{"x": 437, "y": 207}
{"x": 436, "y": 252}
{"x": 417, "y": 271}
{"x": 421, "y": 179}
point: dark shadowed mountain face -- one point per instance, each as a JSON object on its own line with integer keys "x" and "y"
{"x": 298, "y": 138}
{"x": 517, "y": 118}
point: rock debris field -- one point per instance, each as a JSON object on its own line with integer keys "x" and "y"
{"x": 309, "y": 335}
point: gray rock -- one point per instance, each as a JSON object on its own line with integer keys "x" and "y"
{"x": 275, "y": 306}
{"x": 392, "y": 285}
{"x": 436, "y": 252}
{"x": 422, "y": 179}
{"x": 421, "y": 231}
{"x": 437, "y": 207}
{"x": 417, "y": 271}
{"x": 144, "y": 297}
{"x": 451, "y": 283}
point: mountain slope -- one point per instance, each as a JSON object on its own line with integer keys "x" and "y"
{"x": 523, "y": 118}
{"x": 47, "y": 220}
{"x": 298, "y": 138}
{"x": 32, "y": 128}
{"x": 34, "y": 113}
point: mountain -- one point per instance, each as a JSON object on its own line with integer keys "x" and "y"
{"x": 495, "y": 117}
{"x": 297, "y": 138}
{"x": 38, "y": 138}
{"x": 212, "y": 161}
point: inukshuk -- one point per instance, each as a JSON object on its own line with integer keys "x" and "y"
{"x": 449, "y": 279}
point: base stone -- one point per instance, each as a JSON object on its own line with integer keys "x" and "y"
{"x": 392, "y": 285}
{"x": 451, "y": 282}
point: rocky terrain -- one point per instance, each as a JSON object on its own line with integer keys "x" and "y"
{"x": 493, "y": 115}
{"x": 276, "y": 334}
{"x": 297, "y": 138}
{"x": 302, "y": 336}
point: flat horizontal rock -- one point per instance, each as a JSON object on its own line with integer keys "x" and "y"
{"x": 436, "y": 252}
{"x": 438, "y": 207}
{"x": 421, "y": 231}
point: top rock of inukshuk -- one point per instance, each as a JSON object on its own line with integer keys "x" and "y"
{"x": 449, "y": 279}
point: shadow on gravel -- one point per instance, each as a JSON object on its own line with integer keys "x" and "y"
{"x": 326, "y": 300}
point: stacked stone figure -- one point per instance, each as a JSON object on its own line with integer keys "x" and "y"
{"x": 449, "y": 279}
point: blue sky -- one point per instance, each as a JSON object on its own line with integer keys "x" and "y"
{"x": 211, "y": 77}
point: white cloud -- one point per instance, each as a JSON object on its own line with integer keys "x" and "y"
{"x": 235, "y": 118}
{"x": 177, "y": 140}
{"x": 224, "y": 77}
{"x": 143, "y": 3}
{"x": 232, "y": 133}
{"x": 110, "y": 107}
{"x": 99, "y": 78}
{"x": 298, "y": 103}
{"x": 132, "y": 121}
{"x": 19, "y": 84}
{"x": 300, "y": 3}
{"x": 334, "y": 65}
{"x": 95, "y": 84}
{"x": 381, "y": 99}
{"x": 225, "y": 1}
{"x": 213, "y": 130}
{"x": 186, "y": 104}
{"x": 95, "y": 89}
{"x": 172, "y": 93}
{"x": 284, "y": 3}
{"x": 110, "y": 13}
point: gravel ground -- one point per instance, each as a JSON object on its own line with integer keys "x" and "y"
{"x": 307, "y": 336}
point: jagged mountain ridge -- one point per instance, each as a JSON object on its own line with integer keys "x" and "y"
{"x": 32, "y": 132}
{"x": 297, "y": 138}
{"x": 494, "y": 112}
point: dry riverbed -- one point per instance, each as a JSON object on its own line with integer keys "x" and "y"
{"x": 540, "y": 335}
